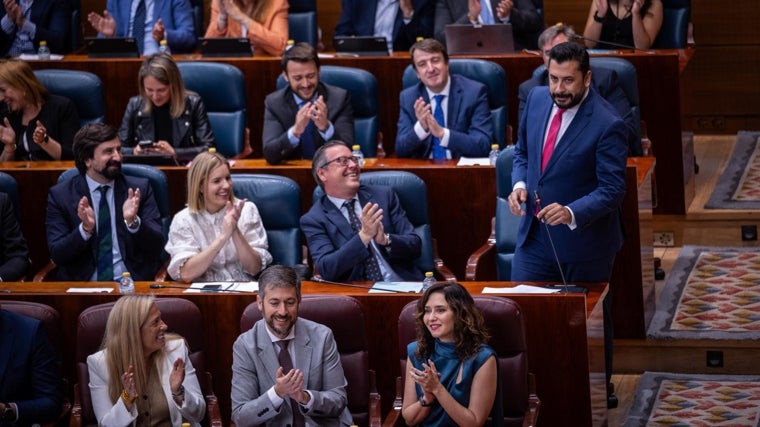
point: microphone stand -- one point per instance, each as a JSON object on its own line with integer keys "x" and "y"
{"x": 620, "y": 45}
{"x": 159, "y": 286}
{"x": 565, "y": 288}
{"x": 351, "y": 285}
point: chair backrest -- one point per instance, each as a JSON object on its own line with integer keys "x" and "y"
{"x": 83, "y": 88}
{"x": 197, "y": 8}
{"x": 504, "y": 320}
{"x": 9, "y": 186}
{"x": 492, "y": 75}
{"x": 412, "y": 194}
{"x": 222, "y": 88}
{"x": 674, "y": 32}
{"x": 344, "y": 315}
{"x": 362, "y": 85}
{"x": 506, "y": 223}
{"x": 50, "y": 318}
{"x": 302, "y": 21}
{"x": 180, "y": 315}
{"x": 75, "y": 30}
{"x": 158, "y": 182}
{"x": 278, "y": 199}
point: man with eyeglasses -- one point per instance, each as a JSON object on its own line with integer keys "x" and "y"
{"x": 301, "y": 117}
{"x": 357, "y": 232}
{"x": 443, "y": 116}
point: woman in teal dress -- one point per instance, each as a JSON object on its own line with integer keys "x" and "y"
{"x": 451, "y": 373}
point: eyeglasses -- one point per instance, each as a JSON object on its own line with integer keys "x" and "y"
{"x": 342, "y": 161}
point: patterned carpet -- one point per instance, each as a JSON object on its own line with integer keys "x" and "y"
{"x": 681, "y": 400}
{"x": 711, "y": 293}
{"x": 739, "y": 185}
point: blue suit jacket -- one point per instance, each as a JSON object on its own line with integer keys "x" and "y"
{"x": 606, "y": 84}
{"x": 468, "y": 120}
{"x": 52, "y": 19}
{"x": 339, "y": 253}
{"x": 77, "y": 259}
{"x": 29, "y": 372}
{"x": 357, "y": 18}
{"x": 14, "y": 254}
{"x": 176, "y": 15}
{"x": 586, "y": 173}
{"x": 254, "y": 365}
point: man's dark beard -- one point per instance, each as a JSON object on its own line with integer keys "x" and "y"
{"x": 574, "y": 100}
{"x": 111, "y": 173}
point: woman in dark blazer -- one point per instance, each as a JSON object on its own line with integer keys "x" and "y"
{"x": 165, "y": 118}
{"x": 34, "y": 124}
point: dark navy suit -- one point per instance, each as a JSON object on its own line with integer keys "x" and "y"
{"x": 14, "y": 254}
{"x": 357, "y": 18}
{"x": 52, "y": 18}
{"x": 606, "y": 84}
{"x": 339, "y": 253}
{"x": 29, "y": 371}
{"x": 76, "y": 258}
{"x": 468, "y": 120}
{"x": 176, "y": 15}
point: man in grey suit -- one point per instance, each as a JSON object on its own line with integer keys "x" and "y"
{"x": 267, "y": 387}
{"x": 299, "y": 119}
{"x": 522, "y": 14}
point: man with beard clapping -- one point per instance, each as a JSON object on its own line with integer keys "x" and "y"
{"x": 101, "y": 223}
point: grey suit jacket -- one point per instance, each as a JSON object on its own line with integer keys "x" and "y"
{"x": 280, "y": 111}
{"x": 254, "y": 366}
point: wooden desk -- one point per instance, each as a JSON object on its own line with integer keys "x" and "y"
{"x": 462, "y": 201}
{"x": 564, "y": 336}
{"x": 658, "y": 75}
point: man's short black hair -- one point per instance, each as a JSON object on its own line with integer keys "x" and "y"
{"x": 300, "y": 52}
{"x": 570, "y": 51}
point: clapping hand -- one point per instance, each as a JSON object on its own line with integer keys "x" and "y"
{"x": 177, "y": 377}
{"x": 86, "y": 215}
{"x": 319, "y": 114}
{"x": 231, "y": 217}
{"x": 131, "y": 205}
{"x": 504, "y": 8}
{"x": 7, "y": 134}
{"x": 428, "y": 378}
{"x": 39, "y": 134}
{"x": 601, "y": 7}
{"x": 289, "y": 384}
{"x": 159, "y": 31}
{"x": 104, "y": 24}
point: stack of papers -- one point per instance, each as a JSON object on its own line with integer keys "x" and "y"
{"x": 394, "y": 287}
{"x": 223, "y": 287}
{"x": 520, "y": 289}
{"x": 474, "y": 161}
{"x": 89, "y": 290}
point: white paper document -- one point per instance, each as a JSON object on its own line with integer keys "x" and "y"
{"x": 474, "y": 161}
{"x": 212, "y": 287}
{"x": 35, "y": 57}
{"x": 520, "y": 289}
{"x": 89, "y": 290}
{"x": 392, "y": 287}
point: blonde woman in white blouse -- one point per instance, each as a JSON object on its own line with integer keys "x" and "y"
{"x": 217, "y": 237}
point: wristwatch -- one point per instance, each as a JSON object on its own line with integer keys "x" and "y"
{"x": 423, "y": 403}
{"x": 598, "y": 18}
{"x": 8, "y": 413}
{"x": 387, "y": 239}
{"x": 133, "y": 224}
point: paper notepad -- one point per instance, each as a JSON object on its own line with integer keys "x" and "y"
{"x": 474, "y": 161}
{"x": 520, "y": 289}
{"x": 400, "y": 287}
{"x": 212, "y": 287}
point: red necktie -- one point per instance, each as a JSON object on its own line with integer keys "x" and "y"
{"x": 551, "y": 138}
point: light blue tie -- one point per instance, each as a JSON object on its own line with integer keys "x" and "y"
{"x": 438, "y": 151}
{"x": 486, "y": 15}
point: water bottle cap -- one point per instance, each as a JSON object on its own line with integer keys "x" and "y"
{"x": 429, "y": 274}
{"x": 212, "y": 149}
{"x": 43, "y": 43}
{"x": 163, "y": 42}
{"x": 291, "y": 42}
{"x": 494, "y": 146}
{"x": 126, "y": 274}
{"x": 356, "y": 147}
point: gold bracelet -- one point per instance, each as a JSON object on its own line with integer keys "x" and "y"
{"x": 127, "y": 398}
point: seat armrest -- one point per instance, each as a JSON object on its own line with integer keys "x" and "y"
{"x": 440, "y": 268}
{"x": 212, "y": 404}
{"x": 375, "y": 402}
{"x": 41, "y": 275}
{"x": 483, "y": 252}
{"x": 247, "y": 149}
{"x": 394, "y": 417}
{"x": 76, "y": 409}
{"x": 534, "y": 403}
{"x": 161, "y": 274}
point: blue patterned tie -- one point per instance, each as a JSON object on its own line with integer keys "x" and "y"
{"x": 371, "y": 268}
{"x": 438, "y": 151}
{"x": 307, "y": 138}
{"x": 486, "y": 15}
{"x": 105, "y": 241}
{"x": 138, "y": 26}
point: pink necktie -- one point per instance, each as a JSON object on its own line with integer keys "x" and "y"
{"x": 551, "y": 138}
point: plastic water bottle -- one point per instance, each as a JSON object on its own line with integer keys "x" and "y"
{"x": 493, "y": 155}
{"x": 428, "y": 281}
{"x": 163, "y": 47}
{"x": 126, "y": 284}
{"x": 43, "y": 52}
{"x": 357, "y": 152}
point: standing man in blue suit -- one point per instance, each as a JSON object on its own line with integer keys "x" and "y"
{"x": 604, "y": 81}
{"x": 457, "y": 123}
{"x": 101, "y": 223}
{"x": 286, "y": 370}
{"x": 30, "y": 381}
{"x": 569, "y": 173}
{"x": 357, "y": 232}
{"x": 399, "y": 21}
{"x": 25, "y": 23}
{"x": 161, "y": 19}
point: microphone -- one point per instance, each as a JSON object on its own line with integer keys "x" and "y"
{"x": 620, "y": 45}
{"x": 351, "y": 285}
{"x": 159, "y": 286}
{"x": 565, "y": 288}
